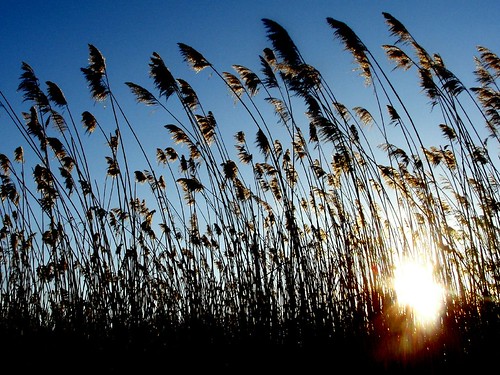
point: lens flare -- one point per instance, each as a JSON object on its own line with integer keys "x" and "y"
{"x": 417, "y": 289}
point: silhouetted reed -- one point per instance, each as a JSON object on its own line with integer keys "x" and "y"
{"x": 286, "y": 239}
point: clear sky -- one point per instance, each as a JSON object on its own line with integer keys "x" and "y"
{"x": 52, "y": 37}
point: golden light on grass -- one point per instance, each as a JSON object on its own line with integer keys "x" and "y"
{"x": 417, "y": 289}
{"x": 289, "y": 241}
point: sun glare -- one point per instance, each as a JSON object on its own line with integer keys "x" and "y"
{"x": 417, "y": 289}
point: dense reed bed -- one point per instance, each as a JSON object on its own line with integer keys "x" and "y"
{"x": 270, "y": 245}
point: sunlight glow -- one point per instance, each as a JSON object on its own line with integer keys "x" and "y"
{"x": 416, "y": 288}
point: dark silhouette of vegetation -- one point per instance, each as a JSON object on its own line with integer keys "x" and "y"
{"x": 272, "y": 254}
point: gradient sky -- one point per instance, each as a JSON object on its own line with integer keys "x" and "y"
{"x": 52, "y": 37}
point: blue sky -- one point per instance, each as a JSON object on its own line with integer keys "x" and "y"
{"x": 52, "y": 37}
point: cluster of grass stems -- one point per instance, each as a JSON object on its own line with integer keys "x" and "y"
{"x": 287, "y": 241}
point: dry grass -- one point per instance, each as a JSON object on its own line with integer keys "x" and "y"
{"x": 275, "y": 248}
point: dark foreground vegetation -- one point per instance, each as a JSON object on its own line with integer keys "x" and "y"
{"x": 272, "y": 254}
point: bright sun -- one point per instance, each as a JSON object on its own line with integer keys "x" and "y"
{"x": 416, "y": 288}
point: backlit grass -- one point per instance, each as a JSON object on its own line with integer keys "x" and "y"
{"x": 275, "y": 240}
